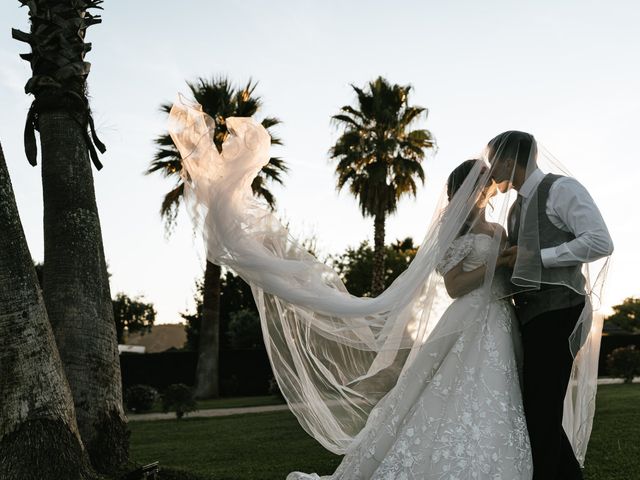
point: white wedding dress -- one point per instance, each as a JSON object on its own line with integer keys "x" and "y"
{"x": 457, "y": 412}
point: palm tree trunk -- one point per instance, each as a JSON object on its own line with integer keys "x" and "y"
{"x": 39, "y": 437}
{"x": 377, "y": 280}
{"x": 76, "y": 290}
{"x": 209, "y": 343}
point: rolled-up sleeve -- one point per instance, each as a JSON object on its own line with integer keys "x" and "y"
{"x": 571, "y": 208}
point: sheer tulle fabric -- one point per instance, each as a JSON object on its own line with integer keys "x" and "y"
{"x": 584, "y": 342}
{"x": 335, "y": 356}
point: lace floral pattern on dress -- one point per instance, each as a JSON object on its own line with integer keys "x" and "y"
{"x": 469, "y": 425}
{"x": 456, "y": 413}
{"x": 457, "y": 251}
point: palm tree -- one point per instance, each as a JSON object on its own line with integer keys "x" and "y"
{"x": 76, "y": 286}
{"x": 379, "y": 156}
{"x": 220, "y": 100}
{"x": 39, "y": 438}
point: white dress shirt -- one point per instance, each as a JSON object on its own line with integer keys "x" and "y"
{"x": 571, "y": 208}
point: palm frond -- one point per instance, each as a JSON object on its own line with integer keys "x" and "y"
{"x": 378, "y": 157}
{"x": 220, "y": 99}
{"x": 170, "y": 207}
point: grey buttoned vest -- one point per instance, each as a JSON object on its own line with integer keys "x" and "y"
{"x": 550, "y": 296}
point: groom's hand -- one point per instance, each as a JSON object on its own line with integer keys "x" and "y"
{"x": 507, "y": 257}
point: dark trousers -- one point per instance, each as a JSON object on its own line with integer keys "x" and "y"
{"x": 547, "y": 368}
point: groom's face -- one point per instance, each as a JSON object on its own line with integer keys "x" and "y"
{"x": 502, "y": 173}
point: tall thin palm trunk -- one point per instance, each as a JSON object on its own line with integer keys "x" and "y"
{"x": 209, "y": 342}
{"x": 219, "y": 99}
{"x": 39, "y": 438}
{"x": 76, "y": 290}
{"x": 377, "y": 280}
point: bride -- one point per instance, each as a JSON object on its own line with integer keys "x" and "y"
{"x": 419, "y": 382}
{"x": 457, "y": 412}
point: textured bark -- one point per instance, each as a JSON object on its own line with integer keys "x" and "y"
{"x": 76, "y": 290}
{"x": 39, "y": 437}
{"x": 377, "y": 281}
{"x": 209, "y": 343}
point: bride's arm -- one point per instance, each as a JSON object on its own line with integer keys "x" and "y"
{"x": 459, "y": 283}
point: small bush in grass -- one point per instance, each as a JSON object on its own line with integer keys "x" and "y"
{"x": 230, "y": 386}
{"x": 624, "y": 362}
{"x": 179, "y": 398}
{"x": 140, "y": 398}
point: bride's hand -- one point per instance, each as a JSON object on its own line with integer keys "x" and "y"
{"x": 507, "y": 257}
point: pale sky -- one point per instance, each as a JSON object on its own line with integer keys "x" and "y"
{"x": 568, "y": 72}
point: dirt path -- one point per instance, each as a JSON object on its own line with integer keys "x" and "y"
{"x": 224, "y": 412}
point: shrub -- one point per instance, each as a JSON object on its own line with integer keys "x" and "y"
{"x": 179, "y": 398}
{"x": 624, "y": 362}
{"x": 140, "y": 398}
{"x": 230, "y": 386}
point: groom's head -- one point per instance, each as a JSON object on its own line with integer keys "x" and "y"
{"x": 512, "y": 156}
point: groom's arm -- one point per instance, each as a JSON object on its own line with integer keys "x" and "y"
{"x": 571, "y": 208}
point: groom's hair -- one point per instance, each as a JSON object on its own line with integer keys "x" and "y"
{"x": 512, "y": 144}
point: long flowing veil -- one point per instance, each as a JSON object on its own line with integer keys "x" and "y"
{"x": 336, "y": 356}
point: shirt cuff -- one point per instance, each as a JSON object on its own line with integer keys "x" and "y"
{"x": 549, "y": 257}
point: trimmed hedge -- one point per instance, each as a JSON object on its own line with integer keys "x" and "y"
{"x": 247, "y": 372}
{"x": 242, "y": 372}
{"x": 608, "y": 344}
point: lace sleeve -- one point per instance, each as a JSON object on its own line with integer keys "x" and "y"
{"x": 456, "y": 252}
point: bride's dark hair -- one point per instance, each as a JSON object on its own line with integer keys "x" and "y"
{"x": 458, "y": 176}
{"x": 455, "y": 181}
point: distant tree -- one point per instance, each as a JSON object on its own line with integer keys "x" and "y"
{"x": 132, "y": 314}
{"x": 624, "y": 362}
{"x": 39, "y": 267}
{"x": 244, "y": 330}
{"x": 355, "y": 266}
{"x": 627, "y": 315}
{"x": 235, "y": 296}
{"x": 192, "y": 320}
{"x": 379, "y": 156}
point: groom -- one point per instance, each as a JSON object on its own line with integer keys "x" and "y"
{"x": 554, "y": 227}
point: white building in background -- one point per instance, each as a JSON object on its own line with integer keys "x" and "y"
{"x": 132, "y": 348}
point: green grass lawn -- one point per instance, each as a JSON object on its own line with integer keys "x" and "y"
{"x": 266, "y": 446}
{"x": 614, "y": 449}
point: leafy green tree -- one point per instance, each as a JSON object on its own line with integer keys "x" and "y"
{"x": 624, "y": 362}
{"x": 132, "y": 314}
{"x": 379, "y": 156}
{"x": 220, "y": 100}
{"x": 235, "y": 296}
{"x": 76, "y": 287}
{"x": 39, "y": 267}
{"x": 627, "y": 315}
{"x": 355, "y": 266}
{"x": 244, "y": 329}
{"x": 193, "y": 320}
